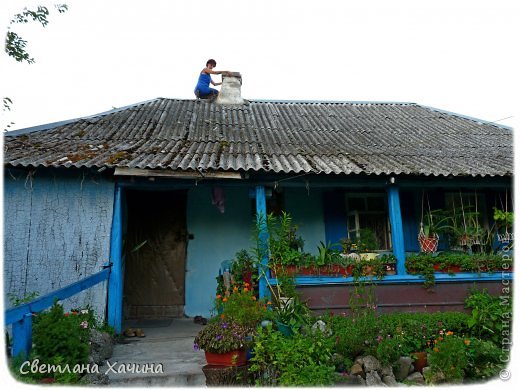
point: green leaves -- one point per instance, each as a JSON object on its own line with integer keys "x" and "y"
{"x": 15, "y": 45}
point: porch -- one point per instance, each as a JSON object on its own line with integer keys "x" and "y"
{"x": 319, "y": 205}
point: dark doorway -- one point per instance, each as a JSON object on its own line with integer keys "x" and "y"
{"x": 155, "y": 249}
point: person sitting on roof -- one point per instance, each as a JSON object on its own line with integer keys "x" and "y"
{"x": 202, "y": 89}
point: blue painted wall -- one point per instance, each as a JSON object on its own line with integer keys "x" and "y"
{"x": 56, "y": 231}
{"x": 306, "y": 209}
{"x": 217, "y": 237}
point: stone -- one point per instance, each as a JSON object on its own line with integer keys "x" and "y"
{"x": 387, "y": 371}
{"x": 359, "y": 360}
{"x": 370, "y": 363}
{"x": 356, "y": 369}
{"x": 433, "y": 377}
{"x": 416, "y": 378}
{"x": 373, "y": 379}
{"x": 390, "y": 381}
{"x": 350, "y": 380}
{"x": 411, "y": 370}
{"x": 101, "y": 347}
{"x": 404, "y": 364}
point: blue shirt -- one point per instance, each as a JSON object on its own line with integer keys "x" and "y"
{"x": 203, "y": 83}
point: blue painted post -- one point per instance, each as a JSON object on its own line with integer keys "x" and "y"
{"x": 261, "y": 215}
{"x": 396, "y": 225}
{"x": 22, "y": 336}
{"x": 115, "y": 281}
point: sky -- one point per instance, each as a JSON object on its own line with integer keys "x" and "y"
{"x": 458, "y": 56}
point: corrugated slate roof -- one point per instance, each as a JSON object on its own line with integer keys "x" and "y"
{"x": 270, "y": 136}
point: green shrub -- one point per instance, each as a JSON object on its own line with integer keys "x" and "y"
{"x": 485, "y": 359}
{"x": 448, "y": 359}
{"x": 300, "y": 360}
{"x": 388, "y": 350}
{"x": 490, "y": 315}
{"x": 62, "y": 338}
{"x": 412, "y": 331}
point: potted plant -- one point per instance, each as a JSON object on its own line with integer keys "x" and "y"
{"x": 224, "y": 343}
{"x": 504, "y": 222}
{"x": 242, "y": 306}
{"x": 422, "y": 264}
{"x": 243, "y": 268}
{"x": 431, "y": 225}
{"x": 389, "y": 262}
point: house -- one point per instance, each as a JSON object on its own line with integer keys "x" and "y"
{"x": 165, "y": 190}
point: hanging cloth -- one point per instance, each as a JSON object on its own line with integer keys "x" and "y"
{"x": 217, "y": 198}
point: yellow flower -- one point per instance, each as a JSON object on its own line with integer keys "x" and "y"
{"x": 219, "y": 296}
{"x": 246, "y": 289}
{"x": 253, "y": 298}
{"x": 467, "y": 342}
{"x": 436, "y": 349}
{"x": 449, "y": 333}
{"x": 224, "y": 299}
{"x": 235, "y": 288}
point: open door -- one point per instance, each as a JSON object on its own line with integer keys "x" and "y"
{"x": 155, "y": 250}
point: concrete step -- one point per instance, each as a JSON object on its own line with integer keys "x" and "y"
{"x": 165, "y": 357}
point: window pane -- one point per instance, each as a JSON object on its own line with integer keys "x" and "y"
{"x": 356, "y": 203}
{"x": 376, "y": 203}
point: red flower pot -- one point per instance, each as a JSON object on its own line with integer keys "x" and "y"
{"x": 421, "y": 360}
{"x": 450, "y": 268}
{"x": 234, "y": 358}
{"x": 288, "y": 270}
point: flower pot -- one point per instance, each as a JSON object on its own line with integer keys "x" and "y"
{"x": 234, "y": 358}
{"x": 390, "y": 268}
{"x": 368, "y": 256}
{"x": 420, "y": 361}
{"x": 288, "y": 270}
{"x": 284, "y": 329}
{"x": 450, "y": 268}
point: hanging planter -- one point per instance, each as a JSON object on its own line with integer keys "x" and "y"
{"x": 428, "y": 244}
{"x": 434, "y": 221}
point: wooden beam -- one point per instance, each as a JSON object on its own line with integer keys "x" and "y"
{"x": 176, "y": 174}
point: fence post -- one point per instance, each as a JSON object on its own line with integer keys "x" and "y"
{"x": 22, "y": 336}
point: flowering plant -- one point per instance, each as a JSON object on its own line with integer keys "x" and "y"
{"x": 448, "y": 357}
{"x": 220, "y": 336}
{"x": 242, "y": 306}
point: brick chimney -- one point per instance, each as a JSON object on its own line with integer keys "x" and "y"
{"x": 230, "y": 90}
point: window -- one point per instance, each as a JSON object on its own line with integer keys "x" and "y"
{"x": 473, "y": 204}
{"x": 369, "y": 211}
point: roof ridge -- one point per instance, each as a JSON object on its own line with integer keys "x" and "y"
{"x": 471, "y": 118}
